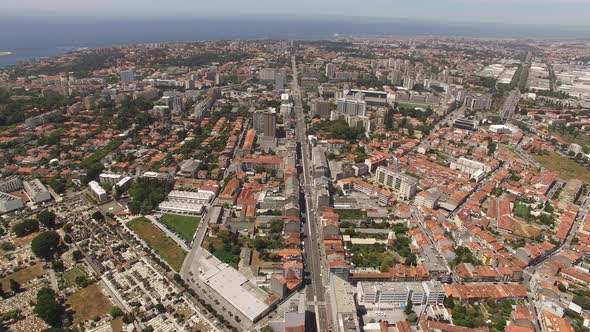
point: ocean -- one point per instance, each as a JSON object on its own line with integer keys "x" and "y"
{"x": 36, "y": 37}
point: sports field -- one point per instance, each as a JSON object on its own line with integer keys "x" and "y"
{"x": 185, "y": 226}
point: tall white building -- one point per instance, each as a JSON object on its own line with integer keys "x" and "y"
{"x": 478, "y": 101}
{"x": 390, "y": 294}
{"x": 435, "y": 292}
{"x": 127, "y": 76}
{"x": 404, "y": 186}
{"x": 109, "y": 178}
{"x": 99, "y": 193}
{"x": 330, "y": 70}
{"x": 351, "y": 107}
{"x": 474, "y": 168}
{"x": 267, "y": 74}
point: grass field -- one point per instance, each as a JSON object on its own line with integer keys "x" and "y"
{"x": 581, "y": 139}
{"x": 351, "y": 213}
{"x": 88, "y": 303}
{"x": 565, "y": 168}
{"x": 411, "y": 106}
{"x": 71, "y": 275}
{"x": 23, "y": 276}
{"x": 185, "y": 226}
{"x": 157, "y": 240}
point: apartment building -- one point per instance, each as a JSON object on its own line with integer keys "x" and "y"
{"x": 404, "y": 186}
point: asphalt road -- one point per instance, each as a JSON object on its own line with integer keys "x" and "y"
{"x": 510, "y": 104}
{"x": 315, "y": 291}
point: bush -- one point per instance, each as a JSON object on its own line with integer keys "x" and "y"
{"x": 7, "y": 246}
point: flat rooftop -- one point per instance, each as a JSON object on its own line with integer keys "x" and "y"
{"x": 232, "y": 285}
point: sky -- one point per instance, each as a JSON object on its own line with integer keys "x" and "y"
{"x": 566, "y": 13}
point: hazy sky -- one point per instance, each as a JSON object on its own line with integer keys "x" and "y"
{"x": 574, "y": 13}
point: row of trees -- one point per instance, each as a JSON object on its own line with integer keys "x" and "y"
{"x": 29, "y": 226}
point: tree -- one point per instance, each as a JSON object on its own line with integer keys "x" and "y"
{"x": 58, "y": 185}
{"x": 160, "y": 307}
{"x": 561, "y": 287}
{"x": 116, "y": 312}
{"x": 26, "y": 227}
{"x": 82, "y": 281}
{"x": 48, "y": 308}
{"x": 14, "y": 286}
{"x": 97, "y": 216}
{"x": 582, "y": 301}
{"x": 67, "y": 238}
{"x": 58, "y": 265}
{"x": 128, "y": 318}
{"x": 409, "y": 306}
{"x": 77, "y": 255}
{"x": 47, "y": 218}
{"x": 276, "y": 226}
{"x": 387, "y": 263}
{"x": 267, "y": 328}
{"x": 45, "y": 244}
{"x": 449, "y": 302}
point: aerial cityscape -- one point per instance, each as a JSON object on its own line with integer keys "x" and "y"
{"x": 357, "y": 182}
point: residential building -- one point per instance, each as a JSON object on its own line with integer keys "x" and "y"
{"x": 435, "y": 292}
{"x": 342, "y": 308}
{"x": 127, "y": 76}
{"x": 351, "y": 107}
{"x": 265, "y": 122}
{"x": 97, "y": 191}
{"x": 403, "y": 185}
{"x": 321, "y": 108}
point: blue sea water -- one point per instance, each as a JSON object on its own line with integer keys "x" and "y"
{"x": 36, "y": 37}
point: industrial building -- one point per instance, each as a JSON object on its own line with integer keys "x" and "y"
{"x": 234, "y": 287}
{"x": 186, "y": 202}
{"x": 9, "y": 203}
{"x": 37, "y": 191}
{"x": 10, "y": 184}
